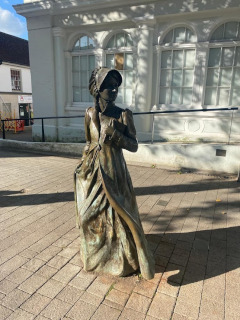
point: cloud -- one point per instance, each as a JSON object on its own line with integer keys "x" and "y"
{"x": 11, "y": 24}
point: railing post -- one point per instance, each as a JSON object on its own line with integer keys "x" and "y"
{"x": 43, "y": 136}
{"x": 3, "y": 128}
{"x": 152, "y": 128}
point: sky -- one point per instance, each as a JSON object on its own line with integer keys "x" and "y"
{"x": 11, "y": 22}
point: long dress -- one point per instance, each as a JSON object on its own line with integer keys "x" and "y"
{"x": 112, "y": 240}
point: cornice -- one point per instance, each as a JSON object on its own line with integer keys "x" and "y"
{"x": 54, "y": 7}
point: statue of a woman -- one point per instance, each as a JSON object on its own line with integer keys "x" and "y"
{"x": 112, "y": 240}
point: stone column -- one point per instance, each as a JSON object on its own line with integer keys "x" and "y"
{"x": 143, "y": 92}
{"x": 59, "y": 62}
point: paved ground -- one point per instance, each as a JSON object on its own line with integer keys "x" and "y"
{"x": 193, "y": 226}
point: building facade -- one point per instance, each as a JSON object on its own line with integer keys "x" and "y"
{"x": 15, "y": 78}
{"x": 173, "y": 55}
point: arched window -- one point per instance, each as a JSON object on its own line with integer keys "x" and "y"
{"x": 223, "y": 73}
{"x": 119, "y": 56}
{"x": 83, "y": 62}
{"x": 177, "y": 67}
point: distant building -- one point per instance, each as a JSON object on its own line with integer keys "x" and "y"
{"x": 172, "y": 55}
{"x": 15, "y": 78}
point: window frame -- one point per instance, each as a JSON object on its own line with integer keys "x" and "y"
{"x": 132, "y": 50}
{"x": 221, "y": 44}
{"x": 20, "y": 79}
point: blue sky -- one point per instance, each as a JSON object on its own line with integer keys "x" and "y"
{"x": 10, "y": 21}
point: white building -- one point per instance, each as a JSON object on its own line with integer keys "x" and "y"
{"x": 172, "y": 55}
{"x": 15, "y": 78}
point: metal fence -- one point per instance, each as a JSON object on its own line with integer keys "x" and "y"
{"x": 152, "y": 113}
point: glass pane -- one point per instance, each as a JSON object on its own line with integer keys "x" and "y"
{"x": 227, "y": 59}
{"x": 111, "y": 43}
{"x": 175, "y": 95}
{"x": 165, "y": 77}
{"x": 91, "y": 63}
{"x": 179, "y": 35}
{"x": 75, "y": 64}
{"x": 128, "y": 61}
{"x": 189, "y": 59}
{"x": 236, "y": 78}
{"x": 84, "y": 79}
{"x": 223, "y": 97}
{"x": 212, "y": 77}
{"x": 85, "y": 95}
{"x": 120, "y": 96}
{"x": 128, "y": 96}
{"x": 225, "y": 77}
{"x": 76, "y": 80}
{"x": 237, "y": 57}
{"x": 190, "y": 36}
{"x": 210, "y": 96}
{"x": 110, "y": 61}
{"x": 166, "y": 59}
{"x": 129, "y": 42}
{"x": 119, "y": 60}
{"x": 91, "y": 43}
{"x": 177, "y": 78}
{"x": 83, "y": 63}
{"x": 76, "y": 46}
{"x": 187, "y": 96}
{"x": 187, "y": 78}
{"x": 169, "y": 37}
{"x": 235, "y": 97}
{"x": 76, "y": 94}
{"x": 164, "y": 94}
{"x": 214, "y": 57}
{"x": 84, "y": 43}
{"x": 177, "y": 59}
{"x": 128, "y": 79}
{"x": 120, "y": 40}
{"x": 231, "y": 30}
{"x": 218, "y": 33}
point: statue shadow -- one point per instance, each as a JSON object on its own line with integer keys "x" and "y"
{"x": 185, "y": 258}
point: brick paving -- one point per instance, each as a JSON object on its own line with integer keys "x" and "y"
{"x": 192, "y": 222}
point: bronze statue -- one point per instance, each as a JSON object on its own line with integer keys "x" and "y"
{"x": 112, "y": 239}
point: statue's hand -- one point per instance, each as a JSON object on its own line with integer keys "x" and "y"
{"x": 109, "y": 129}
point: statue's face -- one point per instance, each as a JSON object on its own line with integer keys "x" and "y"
{"x": 109, "y": 89}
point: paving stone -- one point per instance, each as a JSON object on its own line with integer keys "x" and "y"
{"x": 113, "y": 305}
{"x": 20, "y": 275}
{"x": 117, "y": 297}
{"x": 21, "y": 315}
{"x": 70, "y": 294}
{"x": 138, "y": 303}
{"x": 34, "y": 264}
{"x": 35, "y": 304}
{"x": 32, "y": 284}
{"x": 51, "y": 288}
{"x": 68, "y": 252}
{"x": 49, "y": 253}
{"x": 105, "y": 312}
{"x": 7, "y": 286}
{"x": 169, "y": 288}
{"x": 130, "y": 314}
{"x": 125, "y": 285}
{"x": 162, "y": 306}
{"x": 4, "y": 312}
{"x": 14, "y": 299}
{"x": 213, "y": 308}
{"x": 62, "y": 243}
{"x": 56, "y": 310}
{"x": 66, "y": 273}
{"x": 145, "y": 288}
{"x": 82, "y": 310}
{"x": 101, "y": 285}
{"x": 46, "y": 272}
{"x": 57, "y": 262}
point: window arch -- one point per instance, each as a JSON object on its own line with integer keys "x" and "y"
{"x": 177, "y": 67}
{"x": 119, "y": 55}
{"x": 83, "y": 62}
{"x": 223, "y": 73}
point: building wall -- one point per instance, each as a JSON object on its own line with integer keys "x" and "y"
{"x": 52, "y": 37}
{"x": 9, "y": 97}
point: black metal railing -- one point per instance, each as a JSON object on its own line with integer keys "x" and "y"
{"x": 153, "y": 113}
